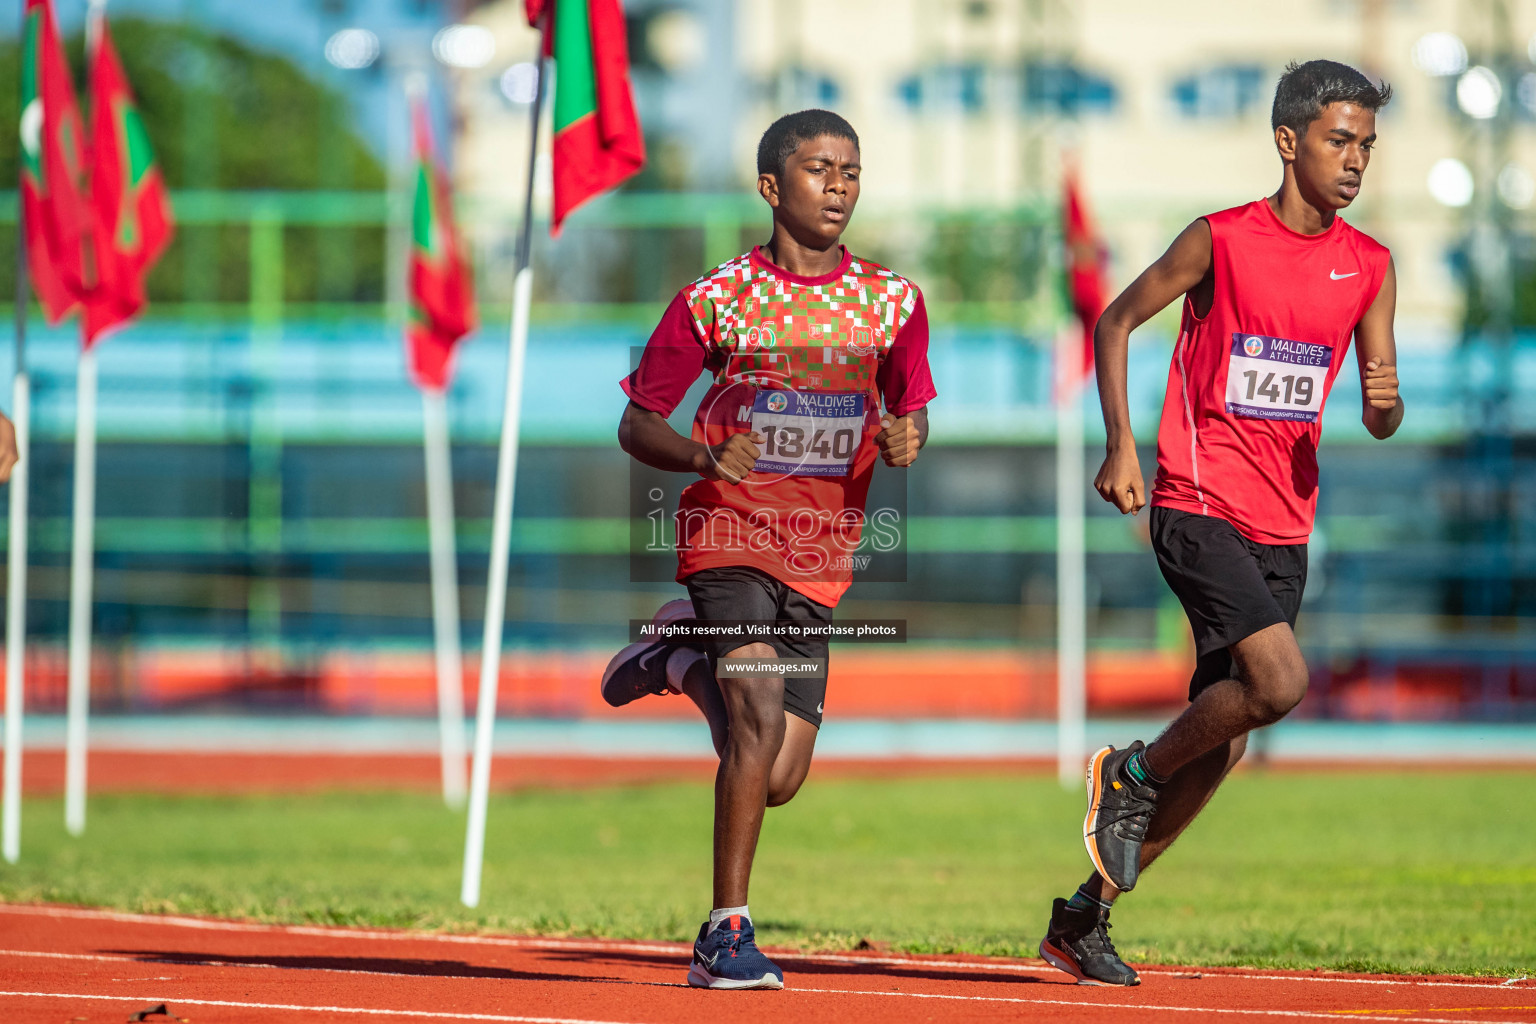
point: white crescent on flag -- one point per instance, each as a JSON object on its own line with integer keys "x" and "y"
{"x": 32, "y": 127}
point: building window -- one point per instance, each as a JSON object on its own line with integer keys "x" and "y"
{"x": 798, "y": 87}
{"x": 1227, "y": 91}
{"x": 1049, "y": 87}
{"x": 1062, "y": 88}
{"x": 945, "y": 87}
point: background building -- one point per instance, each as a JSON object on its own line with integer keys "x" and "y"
{"x": 265, "y": 396}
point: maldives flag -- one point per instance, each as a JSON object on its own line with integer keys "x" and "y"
{"x": 441, "y": 287}
{"x": 52, "y": 166}
{"x": 1086, "y": 284}
{"x": 597, "y": 132}
{"x": 132, "y": 223}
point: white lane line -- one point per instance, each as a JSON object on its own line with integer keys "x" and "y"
{"x": 472, "y": 972}
{"x": 1141, "y": 1008}
{"x": 344, "y": 933}
{"x": 1155, "y": 1007}
{"x": 678, "y": 949}
{"x": 80, "y": 956}
{"x": 1400, "y": 979}
{"x": 122, "y": 958}
{"x": 176, "y": 962}
{"x": 422, "y": 1014}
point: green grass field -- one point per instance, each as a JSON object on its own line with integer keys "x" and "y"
{"x": 1419, "y": 872}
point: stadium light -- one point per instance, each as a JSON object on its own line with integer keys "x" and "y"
{"x": 677, "y": 40}
{"x": 1478, "y": 93}
{"x": 1516, "y": 186}
{"x": 464, "y": 46}
{"x": 352, "y": 49}
{"x": 1440, "y": 54}
{"x": 1450, "y": 182}
{"x": 520, "y": 83}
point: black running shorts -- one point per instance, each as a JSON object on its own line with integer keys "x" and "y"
{"x": 1230, "y": 587}
{"x": 737, "y": 593}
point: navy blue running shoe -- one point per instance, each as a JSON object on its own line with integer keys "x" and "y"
{"x": 641, "y": 669}
{"x": 727, "y": 957}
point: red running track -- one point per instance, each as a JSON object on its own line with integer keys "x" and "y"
{"x": 65, "y": 964}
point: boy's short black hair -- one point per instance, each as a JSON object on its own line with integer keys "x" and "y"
{"x": 791, "y": 131}
{"x": 1305, "y": 89}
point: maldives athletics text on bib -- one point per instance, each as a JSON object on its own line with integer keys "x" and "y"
{"x": 1276, "y": 378}
{"x": 808, "y": 433}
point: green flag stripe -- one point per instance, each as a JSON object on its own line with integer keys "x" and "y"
{"x": 423, "y": 215}
{"x": 141, "y": 157}
{"x": 31, "y": 63}
{"x": 575, "y": 79}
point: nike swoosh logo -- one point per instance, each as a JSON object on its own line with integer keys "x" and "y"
{"x": 818, "y": 707}
{"x": 644, "y": 659}
{"x": 1339, "y": 277}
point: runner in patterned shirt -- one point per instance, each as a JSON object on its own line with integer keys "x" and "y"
{"x": 803, "y": 341}
{"x": 1273, "y": 292}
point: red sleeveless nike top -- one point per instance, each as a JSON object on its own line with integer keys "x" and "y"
{"x": 1243, "y": 411}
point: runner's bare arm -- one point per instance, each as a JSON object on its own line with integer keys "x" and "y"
{"x": 1376, "y": 348}
{"x": 1177, "y": 271}
{"x": 901, "y": 438}
{"x": 8, "y": 454}
{"x": 649, "y": 438}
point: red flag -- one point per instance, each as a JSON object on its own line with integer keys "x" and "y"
{"x": 132, "y": 223}
{"x": 597, "y": 132}
{"x": 441, "y": 285}
{"x": 52, "y": 166}
{"x": 1085, "y": 267}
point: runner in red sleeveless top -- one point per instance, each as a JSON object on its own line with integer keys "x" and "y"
{"x": 1273, "y": 293}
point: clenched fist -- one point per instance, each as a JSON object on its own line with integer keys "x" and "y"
{"x": 8, "y": 455}
{"x": 898, "y": 440}
{"x": 1120, "y": 482}
{"x": 730, "y": 460}
{"x": 1380, "y": 384}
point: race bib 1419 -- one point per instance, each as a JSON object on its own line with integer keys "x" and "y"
{"x": 1277, "y": 379}
{"x": 808, "y": 433}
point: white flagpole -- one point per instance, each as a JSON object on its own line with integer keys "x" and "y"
{"x": 82, "y": 565}
{"x": 501, "y": 523}
{"x": 82, "y": 554}
{"x": 16, "y": 610}
{"x": 16, "y": 566}
{"x": 448, "y": 656}
{"x": 1071, "y": 568}
{"x": 445, "y": 595}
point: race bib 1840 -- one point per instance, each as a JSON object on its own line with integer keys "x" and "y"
{"x": 808, "y": 433}
{"x": 1276, "y": 379}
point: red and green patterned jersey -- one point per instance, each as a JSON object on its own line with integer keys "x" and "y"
{"x": 767, "y": 328}
{"x": 804, "y": 363}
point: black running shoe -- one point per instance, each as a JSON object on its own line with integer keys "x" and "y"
{"x": 641, "y": 669}
{"x": 1118, "y": 813}
{"x": 1078, "y": 942}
